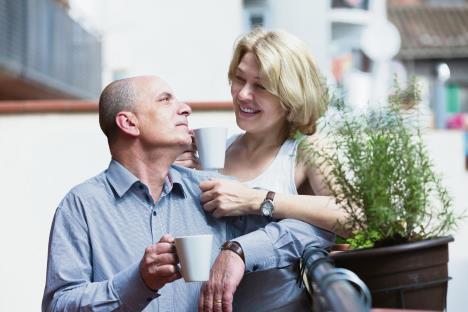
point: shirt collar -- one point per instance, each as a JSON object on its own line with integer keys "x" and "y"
{"x": 121, "y": 179}
{"x": 175, "y": 181}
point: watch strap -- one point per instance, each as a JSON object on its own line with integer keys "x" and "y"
{"x": 234, "y": 247}
{"x": 270, "y": 195}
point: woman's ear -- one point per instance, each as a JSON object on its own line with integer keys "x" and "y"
{"x": 128, "y": 123}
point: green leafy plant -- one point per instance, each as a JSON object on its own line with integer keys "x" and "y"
{"x": 377, "y": 166}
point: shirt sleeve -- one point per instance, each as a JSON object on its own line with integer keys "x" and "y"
{"x": 280, "y": 244}
{"x": 69, "y": 279}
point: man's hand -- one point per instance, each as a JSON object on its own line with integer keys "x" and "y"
{"x": 158, "y": 265}
{"x": 226, "y": 274}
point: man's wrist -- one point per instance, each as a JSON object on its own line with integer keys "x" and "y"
{"x": 235, "y": 247}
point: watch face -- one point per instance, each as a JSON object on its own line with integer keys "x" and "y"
{"x": 267, "y": 208}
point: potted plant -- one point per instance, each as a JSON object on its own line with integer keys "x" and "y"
{"x": 376, "y": 164}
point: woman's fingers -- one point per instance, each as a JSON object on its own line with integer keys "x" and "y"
{"x": 208, "y": 196}
{"x": 188, "y": 159}
{"x": 210, "y": 206}
{"x": 208, "y": 185}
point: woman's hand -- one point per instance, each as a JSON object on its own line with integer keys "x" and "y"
{"x": 189, "y": 158}
{"x": 230, "y": 198}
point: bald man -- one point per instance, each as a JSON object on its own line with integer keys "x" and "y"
{"x": 110, "y": 247}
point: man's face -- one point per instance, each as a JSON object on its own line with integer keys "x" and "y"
{"x": 162, "y": 119}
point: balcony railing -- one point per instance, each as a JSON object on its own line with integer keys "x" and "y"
{"x": 333, "y": 289}
{"x": 41, "y": 43}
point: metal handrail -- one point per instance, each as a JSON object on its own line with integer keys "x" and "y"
{"x": 333, "y": 289}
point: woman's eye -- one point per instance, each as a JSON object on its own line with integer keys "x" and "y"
{"x": 259, "y": 86}
{"x": 240, "y": 79}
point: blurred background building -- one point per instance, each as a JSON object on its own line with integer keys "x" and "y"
{"x": 45, "y": 54}
{"x": 433, "y": 34}
{"x": 56, "y": 55}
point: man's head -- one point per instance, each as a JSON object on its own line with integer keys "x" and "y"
{"x": 118, "y": 96}
{"x": 144, "y": 109}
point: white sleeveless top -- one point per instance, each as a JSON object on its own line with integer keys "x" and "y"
{"x": 279, "y": 175}
{"x": 281, "y": 292}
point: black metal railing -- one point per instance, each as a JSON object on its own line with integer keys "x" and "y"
{"x": 333, "y": 289}
{"x": 41, "y": 43}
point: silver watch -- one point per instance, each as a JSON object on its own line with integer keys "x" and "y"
{"x": 267, "y": 207}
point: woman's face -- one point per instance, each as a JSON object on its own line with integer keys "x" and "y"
{"x": 257, "y": 110}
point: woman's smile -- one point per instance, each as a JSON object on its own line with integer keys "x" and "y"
{"x": 245, "y": 111}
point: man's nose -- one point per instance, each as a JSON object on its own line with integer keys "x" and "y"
{"x": 185, "y": 109}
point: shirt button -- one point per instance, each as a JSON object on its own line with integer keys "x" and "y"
{"x": 154, "y": 213}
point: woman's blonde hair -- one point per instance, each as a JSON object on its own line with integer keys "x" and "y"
{"x": 288, "y": 71}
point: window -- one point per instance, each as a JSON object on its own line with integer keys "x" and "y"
{"x": 256, "y": 14}
{"x": 256, "y": 20}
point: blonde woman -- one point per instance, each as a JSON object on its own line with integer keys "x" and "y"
{"x": 277, "y": 91}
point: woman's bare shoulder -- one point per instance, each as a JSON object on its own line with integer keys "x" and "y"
{"x": 311, "y": 146}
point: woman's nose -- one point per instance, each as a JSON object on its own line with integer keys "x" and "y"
{"x": 245, "y": 92}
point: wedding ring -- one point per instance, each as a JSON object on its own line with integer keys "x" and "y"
{"x": 218, "y": 301}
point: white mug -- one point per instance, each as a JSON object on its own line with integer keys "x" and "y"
{"x": 211, "y": 145}
{"x": 194, "y": 254}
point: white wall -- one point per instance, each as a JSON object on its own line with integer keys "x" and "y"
{"x": 447, "y": 150}
{"x": 42, "y": 157}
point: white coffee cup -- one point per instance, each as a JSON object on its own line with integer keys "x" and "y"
{"x": 194, "y": 254}
{"x": 211, "y": 145}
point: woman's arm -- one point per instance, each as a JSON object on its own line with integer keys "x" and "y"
{"x": 310, "y": 179}
{"x": 321, "y": 211}
{"x": 313, "y": 205}
{"x": 231, "y": 198}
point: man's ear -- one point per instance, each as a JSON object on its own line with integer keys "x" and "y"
{"x": 128, "y": 123}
